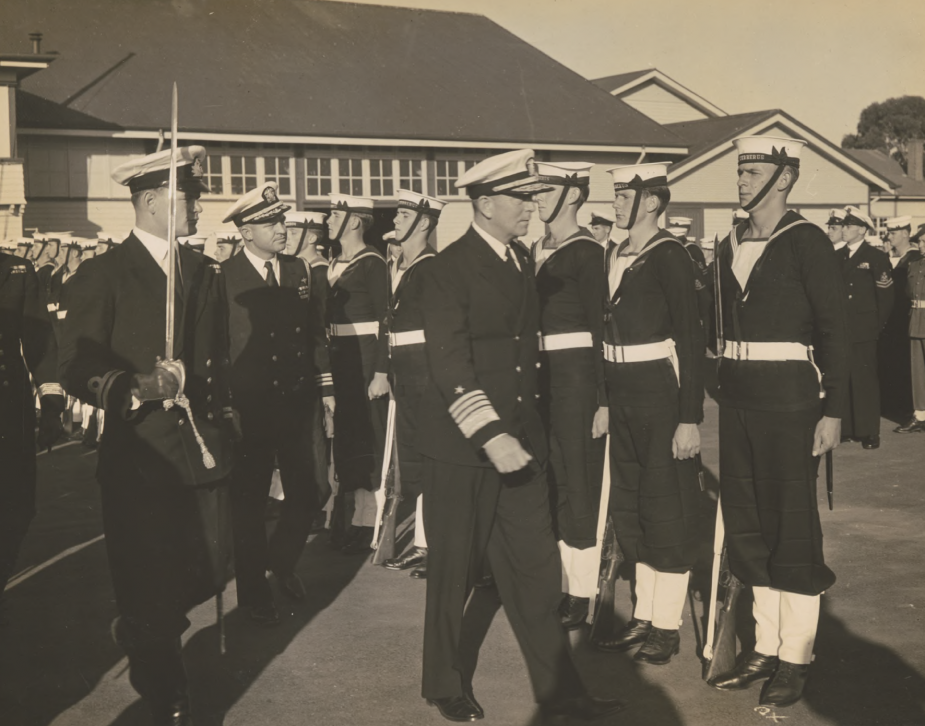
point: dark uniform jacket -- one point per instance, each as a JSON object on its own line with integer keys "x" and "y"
{"x": 869, "y": 283}
{"x": 898, "y": 323}
{"x": 278, "y": 345}
{"x": 481, "y": 322}
{"x": 58, "y": 288}
{"x": 569, "y": 283}
{"x": 27, "y": 345}
{"x": 701, "y": 281}
{"x": 915, "y": 290}
{"x": 795, "y": 294}
{"x": 656, "y": 300}
{"x": 405, "y": 314}
{"x": 115, "y": 328}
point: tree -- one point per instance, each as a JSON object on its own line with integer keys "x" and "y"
{"x": 888, "y": 126}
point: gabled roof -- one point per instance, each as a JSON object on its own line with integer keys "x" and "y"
{"x": 905, "y": 186}
{"x": 624, "y": 83}
{"x": 36, "y": 112}
{"x": 709, "y": 138}
{"x": 319, "y": 69}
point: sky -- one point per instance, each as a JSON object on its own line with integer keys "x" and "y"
{"x": 822, "y": 61}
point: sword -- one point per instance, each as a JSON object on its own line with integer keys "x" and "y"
{"x": 830, "y": 478}
{"x": 172, "y": 231}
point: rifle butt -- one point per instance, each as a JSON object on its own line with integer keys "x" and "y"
{"x": 385, "y": 548}
{"x": 724, "y": 646}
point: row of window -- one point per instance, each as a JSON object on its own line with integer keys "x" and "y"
{"x": 235, "y": 175}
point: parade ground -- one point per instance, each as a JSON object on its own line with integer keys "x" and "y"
{"x": 350, "y": 654}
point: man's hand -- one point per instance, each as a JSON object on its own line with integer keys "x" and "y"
{"x": 379, "y": 386}
{"x": 329, "y": 404}
{"x": 163, "y": 382}
{"x": 506, "y": 453}
{"x": 601, "y": 422}
{"x": 50, "y": 426}
{"x": 686, "y": 441}
{"x": 827, "y": 436}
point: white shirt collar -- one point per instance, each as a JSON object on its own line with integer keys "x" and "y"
{"x": 156, "y": 246}
{"x": 261, "y": 265}
{"x": 499, "y": 247}
{"x": 852, "y": 248}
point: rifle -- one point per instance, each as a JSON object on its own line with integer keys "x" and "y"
{"x": 387, "y": 496}
{"x": 720, "y": 652}
{"x": 830, "y": 479}
{"x": 600, "y": 609}
{"x": 718, "y": 300}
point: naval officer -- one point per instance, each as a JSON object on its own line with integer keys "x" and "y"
{"x": 484, "y": 447}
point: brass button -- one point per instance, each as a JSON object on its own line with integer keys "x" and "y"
{"x": 209, "y": 398}
{"x": 298, "y": 330}
{"x": 516, "y": 337}
{"x": 275, "y": 383}
{"x": 519, "y": 398}
{"x": 274, "y": 358}
{"x": 209, "y": 363}
{"x": 536, "y": 395}
{"x": 272, "y": 335}
{"x": 517, "y": 369}
{"x": 299, "y": 354}
{"x": 210, "y": 416}
{"x": 182, "y": 421}
{"x": 539, "y": 365}
{"x": 208, "y": 380}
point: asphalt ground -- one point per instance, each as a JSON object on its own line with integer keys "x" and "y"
{"x": 350, "y": 654}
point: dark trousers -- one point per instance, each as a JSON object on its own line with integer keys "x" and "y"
{"x": 17, "y": 504}
{"x": 472, "y": 514}
{"x": 654, "y": 498}
{"x": 768, "y": 487}
{"x": 167, "y": 548}
{"x": 408, "y": 394}
{"x": 289, "y": 442}
{"x": 862, "y": 418}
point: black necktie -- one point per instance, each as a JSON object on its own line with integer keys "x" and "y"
{"x": 509, "y": 257}
{"x": 271, "y": 276}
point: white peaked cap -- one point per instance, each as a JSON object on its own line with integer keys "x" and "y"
{"x": 305, "y": 219}
{"x": 899, "y": 223}
{"x": 574, "y": 173}
{"x": 346, "y": 203}
{"x": 512, "y": 171}
{"x": 258, "y": 205}
{"x": 855, "y": 217}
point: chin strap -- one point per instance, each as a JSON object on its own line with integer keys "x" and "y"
{"x": 569, "y": 182}
{"x": 343, "y": 226}
{"x": 764, "y": 190}
{"x": 298, "y": 248}
{"x": 411, "y": 229}
{"x": 635, "y": 210}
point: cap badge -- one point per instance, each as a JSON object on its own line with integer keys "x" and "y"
{"x": 269, "y": 195}
{"x": 196, "y": 171}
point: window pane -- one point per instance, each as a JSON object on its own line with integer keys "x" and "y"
{"x": 357, "y": 188}
{"x": 311, "y": 187}
{"x": 345, "y": 186}
{"x": 250, "y": 164}
{"x": 388, "y": 188}
{"x": 326, "y": 167}
{"x": 284, "y": 186}
{"x": 237, "y": 185}
{"x": 235, "y": 164}
{"x": 311, "y": 167}
{"x": 325, "y": 186}
{"x": 442, "y": 187}
{"x": 375, "y": 188}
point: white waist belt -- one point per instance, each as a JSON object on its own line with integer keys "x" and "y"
{"x": 563, "y": 341}
{"x": 340, "y": 330}
{"x": 62, "y": 314}
{"x": 52, "y": 307}
{"x": 767, "y": 351}
{"x": 638, "y": 353}
{"x": 918, "y": 303}
{"x": 408, "y": 337}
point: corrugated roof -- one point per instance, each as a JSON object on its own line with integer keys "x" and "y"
{"x": 317, "y": 68}
{"x": 612, "y": 83}
{"x": 887, "y": 166}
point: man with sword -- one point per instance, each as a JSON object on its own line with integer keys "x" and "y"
{"x": 781, "y": 401}
{"x": 165, "y": 454}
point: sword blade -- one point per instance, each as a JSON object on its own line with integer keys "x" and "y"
{"x": 170, "y": 348}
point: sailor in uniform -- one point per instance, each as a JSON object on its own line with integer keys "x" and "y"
{"x": 24, "y": 248}
{"x": 415, "y": 231}
{"x": 57, "y": 303}
{"x": 357, "y": 304}
{"x": 27, "y": 349}
{"x": 869, "y": 281}
{"x": 894, "y": 350}
{"x": 833, "y": 227}
{"x": 653, "y": 348}
{"x": 601, "y": 226}
{"x": 162, "y": 470}
{"x": 279, "y": 371}
{"x": 104, "y": 243}
{"x": 45, "y": 251}
{"x": 226, "y": 245}
{"x": 914, "y": 292}
{"x": 569, "y": 270}
{"x": 482, "y": 436}
{"x": 780, "y": 400}
{"x": 680, "y": 227}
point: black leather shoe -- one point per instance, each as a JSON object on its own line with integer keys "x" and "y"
{"x": 582, "y": 708}
{"x": 179, "y": 716}
{"x": 264, "y": 614}
{"x": 786, "y": 685}
{"x": 361, "y": 543}
{"x": 847, "y": 439}
{"x": 419, "y": 574}
{"x": 412, "y": 558}
{"x": 457, "y": 708}
{"x": 871, "y": 442}
{"x": 635, "y": 632}
{"x": 478, "y": 706}
{"x": 755, "y": 667}
{"x": 573, "y": 611}
{"x": 913, "y": 427}
{"x": 292, "y": 587}
{"x": 660, "y": 645}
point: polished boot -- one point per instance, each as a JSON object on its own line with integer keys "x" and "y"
{"x": 660, "y": 645}
{"x": 360, "y": 543}
{"x": 913, "y": 427}
{"x": 582, "y": 708}
{"x": 414, "y": 557}
{"x": 457, "y": 708}
{"x": 573, "y": 611}
{"x": 755, "y": 667}
{"x": 871, "y": 442}
{"x": 786, "y": 685}
{"x": 635, "y": 632}
{"x": 419, "y": 573}
{"x": 179, "y": 715}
